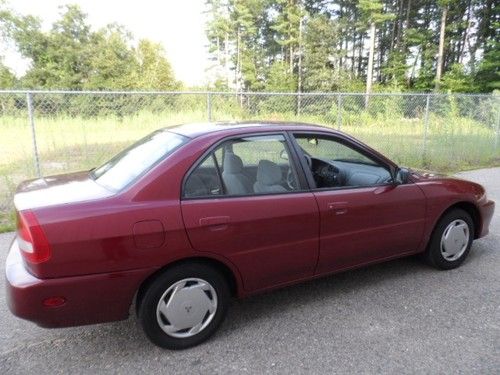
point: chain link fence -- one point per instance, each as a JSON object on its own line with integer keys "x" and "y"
{"x": 50, "y": 132}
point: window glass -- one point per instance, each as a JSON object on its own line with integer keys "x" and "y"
{"x": 252, "y": 150}
{"x": 204, "y": 180}
{"x": 334, "y": 164}
{"x": 219, "y": 155}
{"x": 257, "y": 165}
{"x": 137, "y": 159}
{"x": 331, "y": 150}
{"x": 248, "y": 166}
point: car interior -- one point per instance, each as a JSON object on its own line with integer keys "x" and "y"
{"x": 263, "y": 176}
{"x": 334, "y": 164}
{"x": 343, "y": 173}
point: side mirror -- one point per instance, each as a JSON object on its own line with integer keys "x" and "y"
{"x": 400, "y": 176}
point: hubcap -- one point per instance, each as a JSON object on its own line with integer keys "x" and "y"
{"x": 186, "y": 308}
{"x": 455, "y": 240}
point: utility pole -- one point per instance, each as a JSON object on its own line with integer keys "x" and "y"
{"x": 299, "y": 83}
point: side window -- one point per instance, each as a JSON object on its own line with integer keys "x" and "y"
{"x": 257, "y": 165}
{"x": 334, "y": 164}
{"x": 204, "y": 180}
{"x": 246, "y": 166}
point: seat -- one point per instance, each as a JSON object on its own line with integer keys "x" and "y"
{"x": 269, "y": 178}
{"x": 236, "y": 182}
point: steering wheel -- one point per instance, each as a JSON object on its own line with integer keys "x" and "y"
{"x": 327, "y": 175}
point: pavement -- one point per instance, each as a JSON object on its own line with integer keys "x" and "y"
{"x": 401, "y": 317}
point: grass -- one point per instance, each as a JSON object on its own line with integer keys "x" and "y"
{"x": 452, "y": 143}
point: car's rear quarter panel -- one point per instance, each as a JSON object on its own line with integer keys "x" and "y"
{"x": 90, "y": 239}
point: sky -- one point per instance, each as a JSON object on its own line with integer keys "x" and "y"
{"x": 179, "y": 25}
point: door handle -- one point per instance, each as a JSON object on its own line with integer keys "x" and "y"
{"x": 339, "y": 208}
{"x": 215, "y": 222}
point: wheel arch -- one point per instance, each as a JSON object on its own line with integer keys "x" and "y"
{"x": 229, "y": 274}
{"x": 471, "y": 209}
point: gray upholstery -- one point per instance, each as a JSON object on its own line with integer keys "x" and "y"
{"x": 236, "y": 182}
{"x": 363, "y": 179}
{"x": 269, "y": 178}
{"x": 203, "y": 182}
{"x": 356, "y": 174}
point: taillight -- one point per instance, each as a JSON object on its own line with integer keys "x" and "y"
{"x": 31, "y": 238}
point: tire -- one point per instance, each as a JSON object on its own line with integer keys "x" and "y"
{"x": 451, "y": 240}
{"x": 184, "y": 306}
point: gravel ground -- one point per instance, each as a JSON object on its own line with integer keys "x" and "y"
{"x": 397, "y": 317}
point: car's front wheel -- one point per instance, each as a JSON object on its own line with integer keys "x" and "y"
{"x": 451, "y": 240}
{"x": 184, "y": 306}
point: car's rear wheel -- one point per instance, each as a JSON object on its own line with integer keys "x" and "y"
{"x": 451, "y": 240}
{"x": 184, "y": 306}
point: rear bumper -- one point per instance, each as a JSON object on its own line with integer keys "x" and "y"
{"x": 89, "y": 299}
{"x": 486, "y": 210}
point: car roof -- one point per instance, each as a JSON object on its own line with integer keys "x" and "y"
{"x": 194, "y": 130}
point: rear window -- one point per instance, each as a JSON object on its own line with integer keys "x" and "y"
{"x": 136, "y": 160}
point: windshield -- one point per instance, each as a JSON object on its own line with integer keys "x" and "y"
{"x": 137, "y": 159}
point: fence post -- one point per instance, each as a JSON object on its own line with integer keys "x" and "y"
{"x": 31, "y": 116}
{"x": 497, "y": 129}
{"x": 298, "y": 103}
{"x": 339, "y": 111}
{"x": 209, "y": 106}
{"x": 426, "y": 127}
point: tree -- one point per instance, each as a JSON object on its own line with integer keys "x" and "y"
{"x": 487, "y": 76}
{"x": 113, "y": 63}
{"x": 59, "y": 58}
{"x": 220, "y": 35}
{"x": 72, "y": 56}
{"x": 320, "y": 54}
{"x": 442, "y": 31}
{"x": 373, "y": 13}
{"x": 287, "y": 26}
{"x": 154, "y": 70}
{"x": 279, "y": 78}
{"x": 457, "y": 80}
{"x": 7, "y": 78}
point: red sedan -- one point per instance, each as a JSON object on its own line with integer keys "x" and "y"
{"x": 189, "y": 216}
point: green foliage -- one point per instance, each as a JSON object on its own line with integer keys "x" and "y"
{"x": 279, "y": 78}
{"x": 456, "y": 80}
{"x": 396, "y": 68}
{"x": 72, "y": 56}
{"x": 319, "y": 47}
{"x": 113, "y": 63}
{"x": 154, "y": 69}
{"x": 7, "y": 78}
{"x": 330, "y": 50}
{"x": 488, "y": 74}
{"x": 373, "y": 11}
{"x": 323, "y": 44}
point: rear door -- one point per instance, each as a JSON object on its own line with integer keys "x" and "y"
{"x": 257, "y": 213}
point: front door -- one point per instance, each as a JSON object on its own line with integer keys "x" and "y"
{"x": 364, "y": 216}
{"x": 244, "y": 202}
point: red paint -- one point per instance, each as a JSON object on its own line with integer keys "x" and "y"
{"x": 54, "y": 302}
{"x": 104, "y": 245}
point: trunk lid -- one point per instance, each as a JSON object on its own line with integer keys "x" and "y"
{"x": 58, "y": 190}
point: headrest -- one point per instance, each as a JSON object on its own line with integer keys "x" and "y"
{"x": 268, "y": 173}
{"x": 232, "y": 163}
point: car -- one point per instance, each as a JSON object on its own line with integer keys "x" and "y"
{"x": 191, "y": 216}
